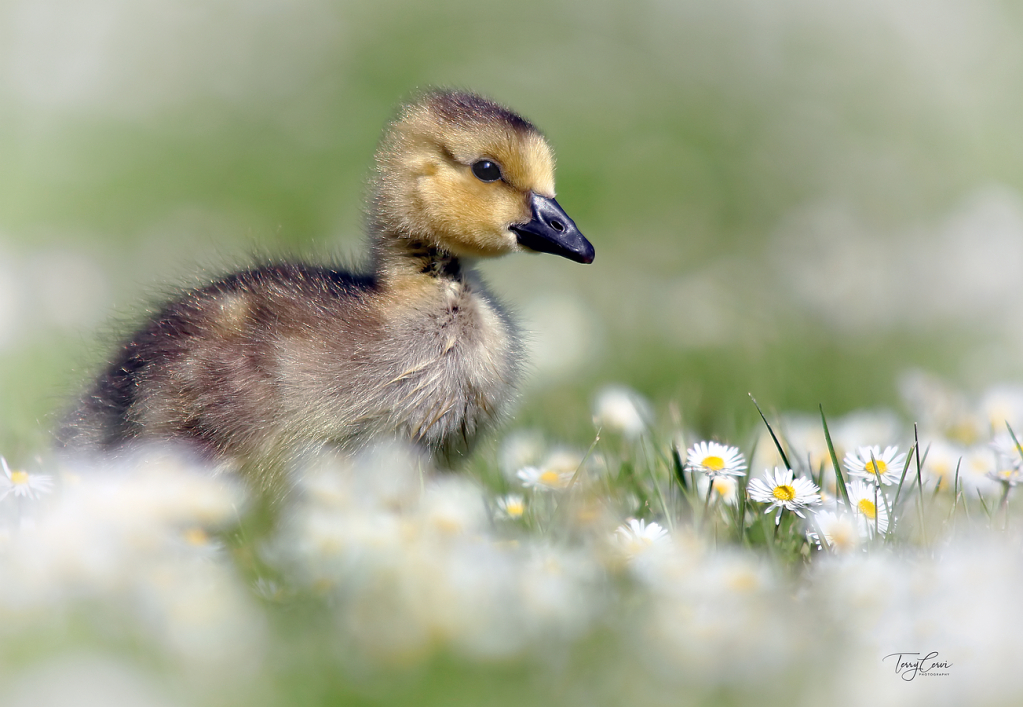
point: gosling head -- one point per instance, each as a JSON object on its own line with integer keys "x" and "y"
{"x": 465, "y": 175}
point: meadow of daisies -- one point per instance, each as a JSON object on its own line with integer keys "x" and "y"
{"x": 848, "y": 560}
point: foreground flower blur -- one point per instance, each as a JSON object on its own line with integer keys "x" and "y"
{"x": 379, "y": 575}
{"x": 545, "y": 479}
{"x": 637, "y": 536}
{"x": 841, "y": 531}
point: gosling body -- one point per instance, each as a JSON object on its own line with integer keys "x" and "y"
{"x": 280, "y": 358}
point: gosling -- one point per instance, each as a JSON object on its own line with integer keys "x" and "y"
{"x": 272, "y": 361}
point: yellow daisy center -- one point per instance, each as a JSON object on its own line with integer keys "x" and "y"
{"x": 876, "y": 467}
{"x": 447, "y": 524}
{"x": 784, "y": 492}
{"x": 20, "y": 478}
{"x": 842, "y": 536}
{"x": 550, "y": 478}
{"x": 196, "y": 537}
{"x": 744, "y": 581}
{"x": 515, "y": 509}
{"x": 713, "y": 463}
{"x": 867, "y": 508}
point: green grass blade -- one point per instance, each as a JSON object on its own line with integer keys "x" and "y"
{"x": 651, "y": 468}
{"x": 824, "y": 544}
{"x": 880, "y": 490}
{"x": 740, "y": 505}
{"x": 777, "y": 443}
{"x": 987, "y": 511}
{"x": 839, "y": 479}
{"x": 1014, "y": 440}
{"x": 877, "y": 521}
{"x": 955, "y": 491}
{"x": 902, "y": 479}
{"x": 679, "y": 467}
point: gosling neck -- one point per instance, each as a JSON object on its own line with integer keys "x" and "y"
{"x": 400, "y": 260}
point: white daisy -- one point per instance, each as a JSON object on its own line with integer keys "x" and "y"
{"x": 869, "y": 463}
{"x": 1007, "y": 452}
{"x": 869, "y": 509}
{"x": 511, "y": 506}
{"x": 22, "y": 483}
{"x": 638, "y": 537}
{"x": 551, "y": 479}
{"x": 1007, "y": 473}
{"x": 715, "y": 459}
{"x": 783, "y": 492}
{"x": 725, "y": 488}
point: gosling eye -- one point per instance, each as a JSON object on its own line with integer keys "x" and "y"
{"x": 486, "y": 171}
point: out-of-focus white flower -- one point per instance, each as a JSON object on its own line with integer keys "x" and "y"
{"x": 975, "y": 472}
{"x": 134, "y": 539}
{"x": 868, "y": 507}
{"x": 562, "y": 459}
{"x": 511, "y": 506}
{"x": 545, "y": 480}
{"x": 22, "y": 483}
{"x": 940, "y": 460}
{"x": 453, "y": 506}
{"x": 621, "y": 409}
{"x": 722, "y": 488}
{"x": 715, "y": 459}
{"x": 555, "y": 589}
{"x": 870, "y": 463}
{"x": 805, "y": 437}
{"x": 1005, "y": 446}
{"x": 719, "y": 608}
{"x": 637, "y": 537}
{"x": 1008, "y": 458}
{"x": 784, "y": 492}
{"x": 840, "y": 530}
{"x": 853, "y": 430}
{"x": 520, "y": 448}
{"x": 725, "y": 488}
{"x": 1008, "y": 474}
{"x": 1003, "y": 404}
{"x": 86, "y": 678}
{"x": 942, "y": 410}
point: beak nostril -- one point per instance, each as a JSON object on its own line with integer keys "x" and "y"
{"x": 557, "y": 225}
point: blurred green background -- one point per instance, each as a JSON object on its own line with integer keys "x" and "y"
{"x": 798, "y": 199}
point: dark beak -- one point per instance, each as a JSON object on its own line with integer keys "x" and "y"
{"x": 552, "y": 231}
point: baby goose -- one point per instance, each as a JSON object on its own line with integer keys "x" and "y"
{"x": 272, "y": 360}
